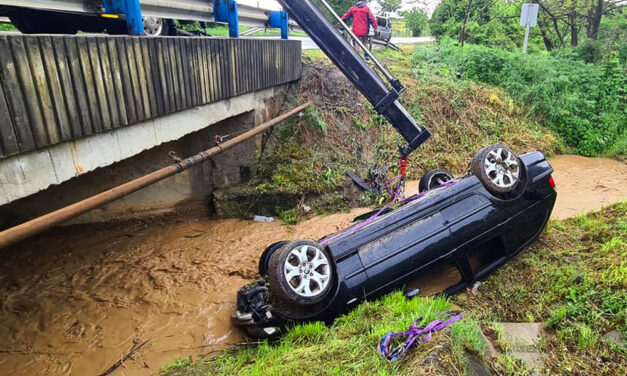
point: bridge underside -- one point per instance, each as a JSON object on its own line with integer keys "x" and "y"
{"x": 70, "y": 105}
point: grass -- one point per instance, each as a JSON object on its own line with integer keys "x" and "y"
{"x": 346, "y": 347}
{"x": 571, "y": 280}
{"x": 222, "y": 30}
{"x": 7, "y": 27}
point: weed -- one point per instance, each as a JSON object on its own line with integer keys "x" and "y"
{"x": 289, "y": 216}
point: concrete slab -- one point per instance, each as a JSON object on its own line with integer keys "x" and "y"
{"x": 616, "y": 337}
{"x": 475, "y": 366}
{"x": 490, "y": 349}
{"x": 520, "y": 335}
{"x": 532, "y": 359}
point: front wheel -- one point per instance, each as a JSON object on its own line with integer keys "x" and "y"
{"x": 301, "y": 272}
{"x": 498, "y": 168}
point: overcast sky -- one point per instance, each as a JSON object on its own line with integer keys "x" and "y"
{"x": 406, "y": 4}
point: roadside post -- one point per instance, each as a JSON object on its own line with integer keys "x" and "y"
{"x": 528, "y": 18}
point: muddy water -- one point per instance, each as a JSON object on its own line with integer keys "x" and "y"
{"x": 585, "y": 184}
{"x": 75, "y": 301}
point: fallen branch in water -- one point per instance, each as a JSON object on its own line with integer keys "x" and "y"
{"x": 130, "y": 353}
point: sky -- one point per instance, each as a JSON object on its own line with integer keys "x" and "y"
{"x": 406, "y": 4}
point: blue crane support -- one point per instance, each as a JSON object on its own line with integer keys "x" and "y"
{"x": 130, "y": 9}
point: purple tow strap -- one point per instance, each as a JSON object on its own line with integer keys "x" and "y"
{"x": 415, "y": 335}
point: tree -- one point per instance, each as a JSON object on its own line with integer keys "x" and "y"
{"x": 390, "y": 5}
{"x": 340, "y": 6}
{"x": 417, "y": 21}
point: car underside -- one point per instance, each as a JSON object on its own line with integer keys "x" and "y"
{"x": 471, "y": 223}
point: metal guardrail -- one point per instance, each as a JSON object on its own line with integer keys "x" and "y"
{"x": 193, "y": 10}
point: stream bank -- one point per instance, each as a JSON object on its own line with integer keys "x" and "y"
{"x": 74, "y": 300}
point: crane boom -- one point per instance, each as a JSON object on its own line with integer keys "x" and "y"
{"x": 345, "y": 57}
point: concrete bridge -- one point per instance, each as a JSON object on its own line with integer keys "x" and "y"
{"x": 80, "y": 114}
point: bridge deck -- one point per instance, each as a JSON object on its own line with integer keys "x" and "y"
{"x": 61, "y": 88}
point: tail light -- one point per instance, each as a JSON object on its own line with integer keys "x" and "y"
{"x": 552, "y": 182}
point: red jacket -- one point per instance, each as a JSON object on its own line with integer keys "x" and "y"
{"x": 362, "y": 17}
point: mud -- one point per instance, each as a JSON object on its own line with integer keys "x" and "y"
{"x": 74, "y": 301}
{"x": 585, "y": 184}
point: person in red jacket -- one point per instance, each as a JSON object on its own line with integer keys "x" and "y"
{"x": 362, "y": 19}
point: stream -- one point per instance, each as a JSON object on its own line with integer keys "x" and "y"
{"x": 74, "y": 300}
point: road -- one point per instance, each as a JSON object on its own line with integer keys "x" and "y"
{"x": 309, "y": 44}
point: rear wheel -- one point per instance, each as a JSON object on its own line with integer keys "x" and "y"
{"x": 498, "y": 168}
{"x": 301, "y": 272}
{"x": 434, "y": 179}
{"x": 264, "y": 260}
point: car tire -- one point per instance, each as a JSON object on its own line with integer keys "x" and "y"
{"x": 434, "y": 179}
{"x": 301, "y": 272}
{"x": 264, "y": 260}
{"x": 498, "y": 168}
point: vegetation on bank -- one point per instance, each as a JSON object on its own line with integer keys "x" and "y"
{"x": 573, "y": 280}
{"x": 584, "y": 103}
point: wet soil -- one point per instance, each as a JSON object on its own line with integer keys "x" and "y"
{"x": 74, "y": 301}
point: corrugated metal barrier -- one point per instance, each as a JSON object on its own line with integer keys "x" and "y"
{"x": 61, "y": 88}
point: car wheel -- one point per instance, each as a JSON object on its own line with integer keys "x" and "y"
{"x": 433, "y": 179}
{"x": 264, "y": 260}
{"x": 300, "y": 272}
{"x": 498, "y": 168}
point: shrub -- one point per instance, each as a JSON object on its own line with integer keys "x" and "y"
{"x": 584, "y": 103}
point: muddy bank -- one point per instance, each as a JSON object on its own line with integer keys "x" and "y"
{"x": 73, "y": 301}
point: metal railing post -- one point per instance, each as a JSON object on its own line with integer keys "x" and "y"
{"x": 233, "y": 19}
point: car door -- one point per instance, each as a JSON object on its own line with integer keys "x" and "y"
{"x": 403, "y": 250}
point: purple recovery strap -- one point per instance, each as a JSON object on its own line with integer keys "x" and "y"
{"x": 415, "y": 335}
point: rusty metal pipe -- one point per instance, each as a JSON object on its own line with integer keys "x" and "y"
{"x": 37, "y": 225}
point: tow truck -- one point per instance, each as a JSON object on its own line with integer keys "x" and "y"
{"x": 474, "y": 223}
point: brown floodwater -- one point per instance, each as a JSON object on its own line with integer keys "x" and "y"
{"x": 75, "y": 300}
{"x": 585, "y": 184}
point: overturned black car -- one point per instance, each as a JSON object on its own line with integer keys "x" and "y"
{"x": 475, "y": 223}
